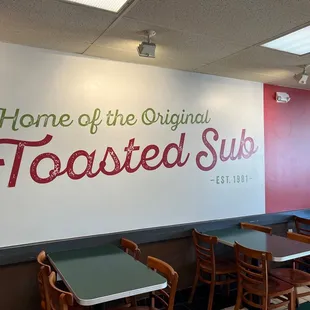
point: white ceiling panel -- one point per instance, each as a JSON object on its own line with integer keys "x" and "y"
{"x": 252, "y": 75}
{"x": 175, "y": 49}
{"x": 240, "y": 21}
{"x": 262, "y": 56}
{"x": 51, "y": 24}
{"x": 251, "y": 65}
{"x": 220, "y": 37}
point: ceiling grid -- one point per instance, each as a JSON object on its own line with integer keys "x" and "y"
{"x": 220, "y": 37}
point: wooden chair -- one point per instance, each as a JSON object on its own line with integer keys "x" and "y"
{"x": 208, "y": 269}
{"x": 264, "y": 229}
{"x": 164, "y": 298}
{"x": 302, "y": 226}
{"x": 294, "y": 276}
{"x": 303, "y": 261}
{"x": 41, "y": 259}
{"x": 131, "y": 248}
{"x": 253, "y": 279}
{"x": 59, "y": 299}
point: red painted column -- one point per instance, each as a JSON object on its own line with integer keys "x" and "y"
{"x": 287, "y": 150}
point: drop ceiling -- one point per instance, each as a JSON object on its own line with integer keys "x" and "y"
{"x": 220, "y": 37}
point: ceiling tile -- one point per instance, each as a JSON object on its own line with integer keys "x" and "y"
{"x": 120, "y": 54}
{"x": 241, "y": 21}
{"x": 51, "y": 24}
{"x": 290, "y": 83}
{"x": 214, "y": 36}
{"x": 262, "y": 56}
{"x": 245, "y": 66}
{"x": 303, "y": 6}
{"x": 175, "y": 49}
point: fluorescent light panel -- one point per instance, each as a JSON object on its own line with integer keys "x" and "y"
{"x": 108, "y": 5}
{"x": 297, "y": 42}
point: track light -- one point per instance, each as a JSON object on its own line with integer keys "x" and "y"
{"x": 146, "y": 48}
{"x": 302, "y": 77}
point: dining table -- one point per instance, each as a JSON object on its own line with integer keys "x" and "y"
{"x": 104, "y": 273}
{"x": 281, "y": 248}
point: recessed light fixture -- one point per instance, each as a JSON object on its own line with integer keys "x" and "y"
{"x": 297, "y": 42}
{"x": 108, "y": 5}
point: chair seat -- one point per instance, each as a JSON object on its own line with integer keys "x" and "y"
{"x": 276, "y": 287}
{"x": 222, "y": 267}
{"x": 293, "y": 276}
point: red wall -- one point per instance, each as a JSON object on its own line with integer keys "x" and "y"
{"x": 287, "y": 150}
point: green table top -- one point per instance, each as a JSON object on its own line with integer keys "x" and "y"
{"x": 101, "y": 274}
{"x": 282, "y": 249}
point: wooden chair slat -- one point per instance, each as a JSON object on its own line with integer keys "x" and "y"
{"x": 161, "y": 300}
{"x": 131, "y": 248}
{"x": 264, "y": 229}
{"x": 298, "y": 237}
{"x": 249, "y": 266}
{"x": 253, "y": 275}
{"x": 302, "y": 226}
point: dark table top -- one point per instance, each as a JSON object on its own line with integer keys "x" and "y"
{"x": 282, "y": 249}
{"x": 101, "y": 274}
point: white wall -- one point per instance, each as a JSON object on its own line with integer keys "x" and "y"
{"x": 37, "y": 82}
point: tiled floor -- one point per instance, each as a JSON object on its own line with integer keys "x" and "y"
{"x": 200, "y": 302}
{"x": 221, "y": 301}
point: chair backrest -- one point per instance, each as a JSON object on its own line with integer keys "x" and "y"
{"x": 164, "y": 297}
{"x": 60, "y": 300}
{"x": 45, "y": 269}
{"x": 298, "y": 237}
{"x": 131, "y": 248}
{"x": 302, "y": 226}
{"x": 205, "y": 250}
{"x": 264, "y": 229}
{"x": 253, "y": 268}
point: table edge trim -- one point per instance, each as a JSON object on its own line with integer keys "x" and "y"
{"x": 99, "y": 300}
{"x": 290, "y": 257}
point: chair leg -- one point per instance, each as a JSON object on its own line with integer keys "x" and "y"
{"x": 239, "y": 297}
{"x": 296, "y": 297}
{"x": 265, "y": 303}
{"x": 292, "y": 300}
{"x": 211, "y": 295}
{"x": 195, "y": 284}
{"x": 221, "y": 280}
